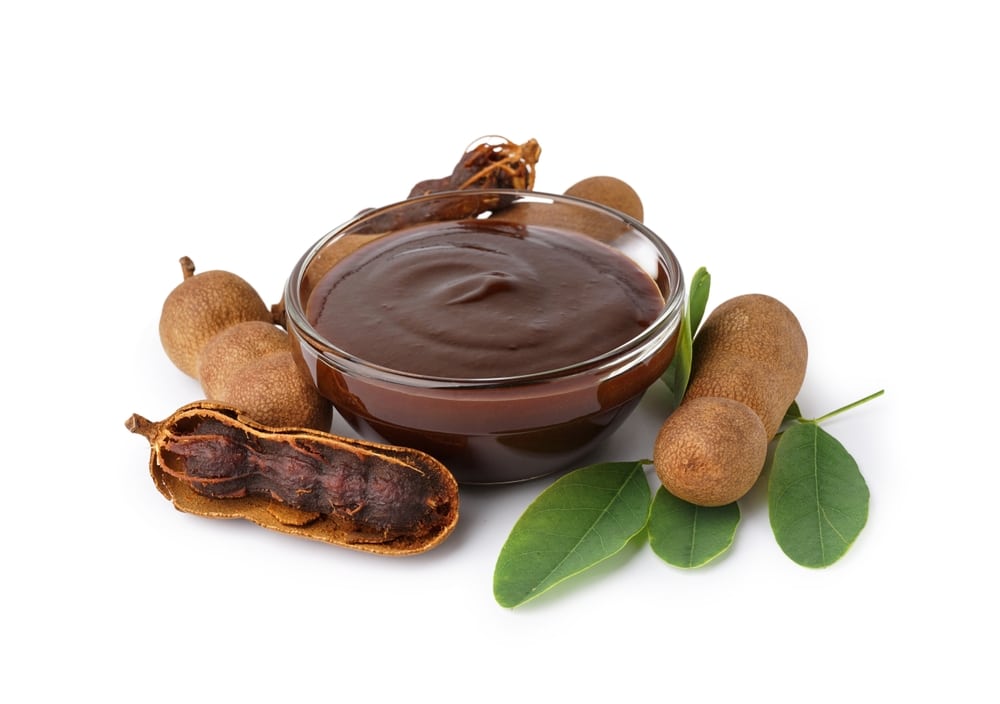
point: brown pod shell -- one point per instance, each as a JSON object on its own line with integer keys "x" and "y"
{"x": 212, "y": 460}
{"x": 752, "y": 349}
{"x": 710, "y": 451}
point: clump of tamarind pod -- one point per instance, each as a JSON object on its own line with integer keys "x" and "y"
{"x": 216, "y": 328}
{"x": 212, "y": 460}
{"x": 748, "y": 364}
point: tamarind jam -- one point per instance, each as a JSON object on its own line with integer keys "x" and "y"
{"x": 477, "y": 299}
{"x": 504, "y": 347}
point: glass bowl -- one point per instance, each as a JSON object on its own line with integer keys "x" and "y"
{"x": 486, "y": 427}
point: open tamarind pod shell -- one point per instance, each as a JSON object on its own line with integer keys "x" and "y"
{"x": 211, "y": 460}
{"x": 489, "y": 165}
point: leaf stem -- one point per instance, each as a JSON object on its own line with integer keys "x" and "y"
{"x": 840, "y": 410}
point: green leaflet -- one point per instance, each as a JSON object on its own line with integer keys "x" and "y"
{"x": 678, "y": 373}
{"x": 817, "y": 498}
{"x": 792, "y": 414}
{"x": 701, "y": 282}
{"x": 685, "y": 535}
{"x": 582, "y": 518}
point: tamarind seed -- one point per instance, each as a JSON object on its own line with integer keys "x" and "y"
{"x": 199, "y": 307}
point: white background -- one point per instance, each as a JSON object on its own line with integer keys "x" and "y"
{"x": 842, "y": 157}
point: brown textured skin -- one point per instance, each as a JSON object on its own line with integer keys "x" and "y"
{"x": 750, "y": 349}
{"x": 609, "y": 191}
{"x": 710, "y": 451}
{"x": 226, "y": 354}
{"x": 273, "y": 391}
{"x": 199, "y": 307}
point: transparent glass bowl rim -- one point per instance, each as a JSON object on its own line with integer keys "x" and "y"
{"x": 634, "y": 350}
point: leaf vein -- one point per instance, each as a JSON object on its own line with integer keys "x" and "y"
{"x": 555, "y": 569}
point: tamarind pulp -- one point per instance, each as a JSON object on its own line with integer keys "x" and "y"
{"x": 210, "y": 460}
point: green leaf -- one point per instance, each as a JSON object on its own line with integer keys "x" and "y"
{"x": 685, "y": 535}
{"x": 701, "y": 282}
{"x": 678, "y": 372}
{"x": 582, "y": 518}
{"x": 817, "y": 498}
{"x": 793, "y": 413}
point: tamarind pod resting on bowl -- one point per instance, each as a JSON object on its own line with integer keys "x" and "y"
{"x": 490, "y": 163}
{"x": 211, "y": 460}
{"x": 487, "y": 164}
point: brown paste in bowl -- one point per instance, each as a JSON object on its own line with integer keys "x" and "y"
{"x": 482, "y": 299}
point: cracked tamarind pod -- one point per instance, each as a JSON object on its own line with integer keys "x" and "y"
{"x": 211, "y": 460}
{"x": 488, "y": 165}
{"x": 489, "y": 162}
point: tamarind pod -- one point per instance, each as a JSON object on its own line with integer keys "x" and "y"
{"x": 489, "y": 163}
{"x": 485, "y": 166}
{"x": 211, "y": 460}
{"x": 752, "y": 349}
{"x": 748, "y": 364}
